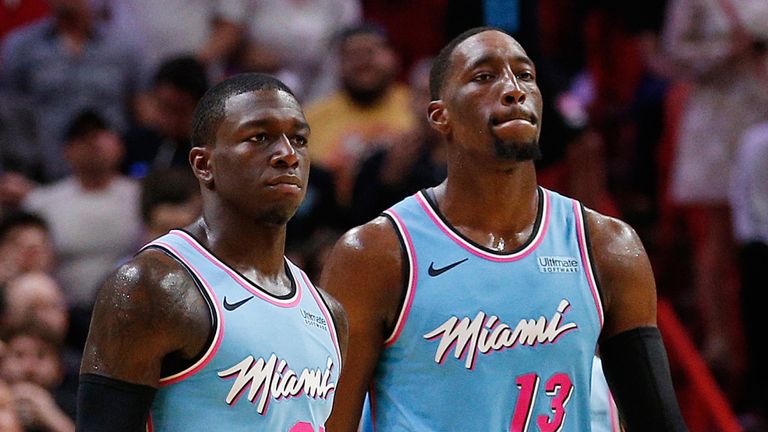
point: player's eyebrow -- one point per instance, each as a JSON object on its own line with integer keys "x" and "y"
{"x": 481, "y": 61}
{"x": 264, "y": 122}
{"x": 488, "y": 59}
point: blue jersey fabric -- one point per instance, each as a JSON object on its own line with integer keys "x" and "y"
{"x": 490, "y": 341}
{"x": 605, "y": 415}
{"x": 272, "y": 364}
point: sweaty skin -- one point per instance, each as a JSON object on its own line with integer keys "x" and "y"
{"x": 253, "y": 178}
{"x": 489, "y": 100}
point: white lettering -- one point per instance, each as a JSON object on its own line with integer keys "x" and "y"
{"x": 483, "y": 336}
{"x": 273, "y": 379}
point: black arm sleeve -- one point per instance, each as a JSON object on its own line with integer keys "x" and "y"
{"x": 107, "y": 404}
{"x": 637, "y": 370}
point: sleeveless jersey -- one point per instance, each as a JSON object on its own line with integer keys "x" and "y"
{"x": 487, "y": 341}
{"x": 272, "y": 364}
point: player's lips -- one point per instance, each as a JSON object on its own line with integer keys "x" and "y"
{"x": 290, "y": 181}
{"x": 514, "y": 119}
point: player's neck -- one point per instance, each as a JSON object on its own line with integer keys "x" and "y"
{"x": 244, "y": 246}
{"x": 496, "y": 202}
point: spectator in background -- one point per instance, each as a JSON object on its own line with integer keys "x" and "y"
{"x": 290, "y": 39}
{"x": 21, "y": 155}
{"x": 713, "y": 47}
{"x": 9, "y": 418}
{"x": 368, "y": 113}
{"x": 404, "y": 22}
{"x": 25, "y": 245}
{"x": 170, "y": 199}
{"x": 208, "y": 30}
{"x": 63, "y": 64}
{"x": 45, "y": 396}
{"x": 749, "y": 202}
{"x": 37, "y": 297}
{"x": 414, "y": 161}
{"x": 93, "y": 214}
{"x": 162, "y": 138}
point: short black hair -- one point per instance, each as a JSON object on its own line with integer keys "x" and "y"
{"x": 174, "y": 185}
{"x": 185, "y": 73}
{"x": 443, "y": 59}
{"x": 20, "y": 218}
{"x": 84, "y": 123}
{"x": 210, "y": 109}
{"x": 362, "y": 29}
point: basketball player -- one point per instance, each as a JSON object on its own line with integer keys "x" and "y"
{"x": 210, "y": 327}
{"x": 478, "y": 304}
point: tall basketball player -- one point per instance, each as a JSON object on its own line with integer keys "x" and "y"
{"x": 210, "y": 327}
{"x": 479, "y": 304}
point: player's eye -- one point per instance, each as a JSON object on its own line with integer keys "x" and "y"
{"x": 526, "y": 76}
{"x": 482, "y": 76}
{"x": 299, "y": 140}
{"x": 260, "y": 138}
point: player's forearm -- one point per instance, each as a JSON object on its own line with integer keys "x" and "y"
{"x": 637, "y": 370}
{"x": 107, "y": 404}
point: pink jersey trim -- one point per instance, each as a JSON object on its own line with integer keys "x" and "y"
{"x": 219, "y": 331}
{"x": 448, "y": 231}
{"x": 613, "y": 413}
{"x": 410, "y": 291}
{"x": 326, "y": 312}
{"x": 286, "y": 303}
{"x": 582, "y": 238}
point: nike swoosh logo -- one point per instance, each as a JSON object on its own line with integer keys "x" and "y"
{"x": 438, "y": 271}
{"x": 232, "y": 306}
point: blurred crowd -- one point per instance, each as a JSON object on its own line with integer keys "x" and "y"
{"x": 655, "y": 112}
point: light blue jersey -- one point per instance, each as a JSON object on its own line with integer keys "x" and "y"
{"x": 487, "y": 341}
{"x": 272, "y": 364}
{"x": 605, "y": 415}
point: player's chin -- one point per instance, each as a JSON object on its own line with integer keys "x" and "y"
{"x": 281, "y": 213}
{"x": 518, "y": 151}
{"x": 275, "y": 218}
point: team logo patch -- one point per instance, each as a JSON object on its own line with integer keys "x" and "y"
{"x": 557, "y": 264}
{"x": 314, "y": 320}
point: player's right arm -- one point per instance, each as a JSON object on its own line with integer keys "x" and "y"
{"x": 147, "y": 309}
{"x": 364, "y": 273}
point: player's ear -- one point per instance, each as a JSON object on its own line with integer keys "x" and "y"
{"x": 438, "y": 116}
{"x": 200, "y": 159}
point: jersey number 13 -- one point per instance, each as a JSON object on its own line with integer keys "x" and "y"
{"x": 559, "y": 388}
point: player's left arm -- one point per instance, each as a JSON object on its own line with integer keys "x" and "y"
{"x": 340, "y": 320}
{"x": 633, "y": 354}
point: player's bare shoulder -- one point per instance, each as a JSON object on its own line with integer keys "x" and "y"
{"x": 373, "y": 248}
{"x": 149, "y": 302}
{"x": 364, "y": 270}
{"x": 612, "y": 236}
{"x": 624, "y": 272}
{"x": 150, "y": 283}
